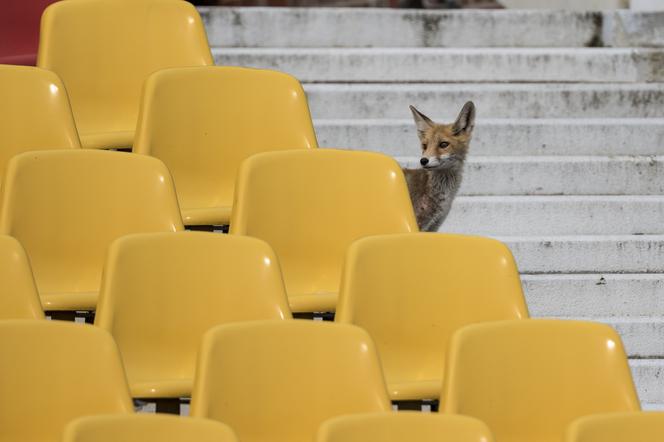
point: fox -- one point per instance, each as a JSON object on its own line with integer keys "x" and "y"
{"x": 433, "y": 186}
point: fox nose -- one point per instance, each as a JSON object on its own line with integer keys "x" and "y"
{"x": 424, "y": 161}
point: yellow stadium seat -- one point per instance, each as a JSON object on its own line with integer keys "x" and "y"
{"x": 529, "y": 379}
{"x": 52, "y": 372}
{"x": 618, "y": 427}
{"x": 67, "y": 206}
{"x": 19, "y": 298}
{"x": 403, "y": 427}
{"x": 105, "y": 49}
{"x": 204, "y": 121}
{"x": 146, "y": 428}
{"x": 34, "y": 113}
{"x": 161, "y": 292}
{"x": 279, "y": 380}
{"x": 411, "y": 292}
{"x": 310, "y": 205}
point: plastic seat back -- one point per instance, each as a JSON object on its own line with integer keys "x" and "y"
{"x": 105, "y": 49}
{"x": 528, "y": 380}
{"x": 310, "y": 205}
{"x": 52, "y": 372}
{"x": 279, "y": 380}
{"x": 403, "y": 427}
{"x": 34, "y": 113}
{"x": 19, "y": 30}
{"x": 146, "y": 428}
{"x": 204, "y": 121}
{"x": 161, "y": 292}
{"x": 411, "y": 292}
{"x": 617, "y": 427}
{"x": 67, "y": 206}
{"x": 19, "y": 298}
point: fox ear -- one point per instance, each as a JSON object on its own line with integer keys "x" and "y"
{"x": 422, "y": 122}
{"x": 465, "y": 122}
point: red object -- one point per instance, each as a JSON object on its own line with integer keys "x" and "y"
{"x": 19, "y": 30}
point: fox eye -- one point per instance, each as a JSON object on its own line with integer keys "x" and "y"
{"x": 443, "y": 144}
{"x": 424, "y": 146}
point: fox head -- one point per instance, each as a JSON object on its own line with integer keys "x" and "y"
{"x": 444, "y": 144}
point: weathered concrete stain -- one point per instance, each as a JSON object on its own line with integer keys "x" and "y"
{"x": 597, "y": 39}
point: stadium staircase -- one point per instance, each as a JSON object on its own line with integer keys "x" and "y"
{"x": 566, "y": 165}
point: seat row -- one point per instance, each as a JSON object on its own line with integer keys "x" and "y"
{"x": 202, "y": 122}
{"x": 160, "y": 292}
{"x": 281, "y": 380}
{"x": 378, "y": 427}
{"x": 66, "y": 206}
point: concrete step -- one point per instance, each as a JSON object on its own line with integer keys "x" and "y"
{"x": 638, "y": 336}
{"x": 643, "y": 337}
{"x": 587, "y": 253}
{"x": 634, "y": 28}
{"x": 428, "y": 65}
{"x": 343, "y": 27}
{"x": 504, "y": 137}
{"x": 588, "y": 175}
{"x": 648, "y": 376}
{"x": 602, "y": 295}
{"x": 642, "y": 100}
{"x": 556, "y": 215}
{"x": 340, "y": 27}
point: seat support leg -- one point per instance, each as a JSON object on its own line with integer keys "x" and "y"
{"x": 200, "y": 228}
{"x": 408, "y": 405}
{"x": 168, "y": 405}
{"x": 418, "y": 405}
{"x": 62, "y": 315}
